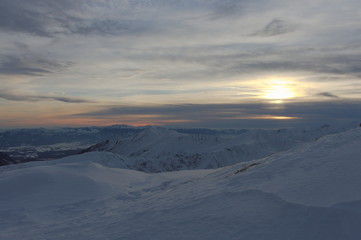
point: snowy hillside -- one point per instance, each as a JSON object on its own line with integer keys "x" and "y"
{"x": 53, "y": 143}
{"x": 309, "y": 192}
{"x": 24, "y": 145}
{"x": 158, "y": 149}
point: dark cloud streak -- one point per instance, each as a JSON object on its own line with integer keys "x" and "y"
{"x": 327, "y": 94}
{"x": 239, "y": 114}
{"x": 275, "y": 27}
{"x": 29, "y": 64}
{"x": 13, "y": 96}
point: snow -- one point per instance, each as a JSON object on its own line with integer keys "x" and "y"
{"x": 331, "y": 164}
{"x": 311, "y": 191}
{"x": 158, "y": 149}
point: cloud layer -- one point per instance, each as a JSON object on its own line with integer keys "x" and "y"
{"x": 14, "y": 96}
{"x": 198, "y": 53}
{"x": 236, "y": 115}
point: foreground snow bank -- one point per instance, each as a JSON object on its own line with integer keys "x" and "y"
{"x": 309, "y": 192}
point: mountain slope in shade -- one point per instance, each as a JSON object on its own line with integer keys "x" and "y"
{"x": 309, "y": 192}
{"x": 5, "y": 159}
{"x": 158, "y": 149}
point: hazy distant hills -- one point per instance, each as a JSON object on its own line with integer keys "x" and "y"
{"x": 54, "y": 143}
{"x": 49, "y": 136}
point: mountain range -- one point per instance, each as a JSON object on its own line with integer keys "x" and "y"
{"x": 157, "y": 149}
{"x": 309, "y": 191}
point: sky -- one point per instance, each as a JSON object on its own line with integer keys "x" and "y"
{"x": 179, "y": 63}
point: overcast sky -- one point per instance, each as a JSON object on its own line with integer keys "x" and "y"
{"x": 191, "y": 63}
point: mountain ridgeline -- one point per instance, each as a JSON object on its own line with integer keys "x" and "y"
{"x": 40, "y": 144}
{"x": 158, "y": 149}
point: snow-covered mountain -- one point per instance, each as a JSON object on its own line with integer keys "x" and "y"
{"x": 24, "y": 145}
{"x": 158, "y": 149}
{"x": 311, "y": 192}
{"x": 54, "y": 143}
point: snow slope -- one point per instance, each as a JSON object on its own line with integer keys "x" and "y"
{"x": 309, "y": 192}
{"x": 158, "y": 149}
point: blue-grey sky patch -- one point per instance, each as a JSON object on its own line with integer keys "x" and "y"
{"x": 35, "y": 16}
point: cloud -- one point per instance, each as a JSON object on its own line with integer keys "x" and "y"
{"x": 14, "y": 96}
{"x": 327, "y": 94}
{"x": 29, "y": 64}
{"x": 227, "y": 8}
{"x": 275, "y": 27}
{"x": 15, "y": 18}
{"x": 15, "y": 65}
{"x": 207, "y": 63}
{"x": 157, "y": 51}
{"x": 112, "y": 17}
{"x": 330, "y": 61}
{"x": 34, "y": 16}
{"x": 49, "y": 18}
{"x": 236, "y": 115}
{"x": 110, "y": 27}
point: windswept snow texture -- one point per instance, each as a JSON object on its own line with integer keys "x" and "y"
{"x": 309, "y": 192}
{"x": 158, "y": 149}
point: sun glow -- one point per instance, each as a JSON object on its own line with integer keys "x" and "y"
{"x": 279, "y": 90}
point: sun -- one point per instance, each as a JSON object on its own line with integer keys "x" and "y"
{"x": 278, "y": 90}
